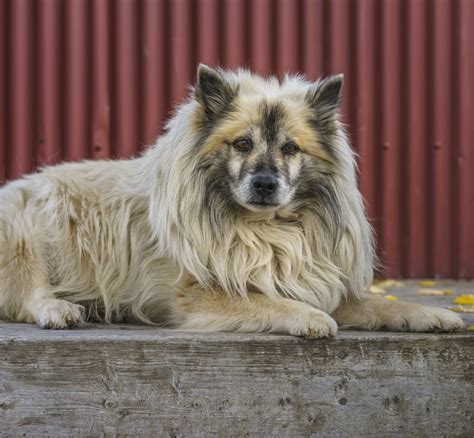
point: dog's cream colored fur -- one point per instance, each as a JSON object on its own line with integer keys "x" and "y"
{"x": 127, "y": 238}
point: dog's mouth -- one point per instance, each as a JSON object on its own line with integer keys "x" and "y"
{"x": 263, "y": 204}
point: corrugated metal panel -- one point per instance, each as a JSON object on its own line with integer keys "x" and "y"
{"x": 98, "y": 78}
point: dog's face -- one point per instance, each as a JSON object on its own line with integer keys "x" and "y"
{"x": 267, "y": 142}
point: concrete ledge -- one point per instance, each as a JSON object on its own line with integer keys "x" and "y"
{"x": 142, "y": 381}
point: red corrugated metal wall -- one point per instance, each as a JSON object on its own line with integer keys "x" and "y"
{"x": 97, "y": 78}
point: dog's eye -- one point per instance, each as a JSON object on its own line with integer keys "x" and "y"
{"x": 290, "y": 148}
{"x": 243, "y": 144}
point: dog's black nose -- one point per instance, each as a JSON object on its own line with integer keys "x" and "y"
{"x": 264, "y": 185}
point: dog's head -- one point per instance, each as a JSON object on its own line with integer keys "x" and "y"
{"x": 266, "y": 144}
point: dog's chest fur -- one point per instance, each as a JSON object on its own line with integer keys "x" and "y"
{"x": 275, "y": 256}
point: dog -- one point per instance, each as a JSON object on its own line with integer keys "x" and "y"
{"x": 243, "y": 216}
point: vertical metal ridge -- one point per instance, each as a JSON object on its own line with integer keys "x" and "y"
{"x": 441, "y": 141}
{"x": 416, "y": 124}
{"x": 377, "y": 121}
{"x": 326, "y": 37}
{"x": 404, "y": 187}
{"x": 48, "y": 103}
{"x": 20, "y": 92}
{"x": 235, "y": 33}
{"x": 427, "y": 146}
{"x": 125, "y": 84}
{"x": 4, "y": 103}
{"x": 287, "y": 41}
{"x": 390, "y": 236}
{"x": 261, "y": 54}
{"x": 100, "y": 74}
{"x": 366, "y": 74}
{"x": 455, "y": 168}
{"x": 312, "y": 38}
{"x": 465, "y": 129}
{"x": 207, "y": 32}
{"x": 76, "y": 92}
{"x": 154, "y": 78}
{"x": 338, "y": 48}
{"x": 180, "y": 49}
{"x": 112, "y": 78}
{"x": 353, "y": 73}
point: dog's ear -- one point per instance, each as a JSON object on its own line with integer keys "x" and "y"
{"x": 325, "y": 97}
{"x": 212, "y": 91}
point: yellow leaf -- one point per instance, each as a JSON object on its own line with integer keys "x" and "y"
{"x": 386, "y": 284}
{"x": 471, "y": 328}
{"x": 427, "y": 283}
{"x": 434, "y": 292}
{"x": 391, "y": 297}
{"x": 376, "y": 290}
{"x": 464, "y": 299}
{"x": 462, "y": 309}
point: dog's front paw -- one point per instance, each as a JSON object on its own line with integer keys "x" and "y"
{"x": 314, "y": 324}
{"x": 59, "y": 314}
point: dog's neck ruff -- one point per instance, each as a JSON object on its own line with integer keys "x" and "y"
{"x": 274, "y": 257}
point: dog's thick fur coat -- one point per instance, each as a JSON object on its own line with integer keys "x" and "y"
{"x": 183, "y": 236}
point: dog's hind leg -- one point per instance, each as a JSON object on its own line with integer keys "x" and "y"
{"x": 25, "y": 294}
{"x": 23, "y": 298}
{"x": 196, "y": 309}
{"x": 377, "y": 313}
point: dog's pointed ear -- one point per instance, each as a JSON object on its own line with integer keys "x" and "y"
{"x": 325, "y": 97}
{"x": 212, "y": 91}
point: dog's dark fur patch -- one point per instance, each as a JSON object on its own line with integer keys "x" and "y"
{"x": 213, "y": 93}
{"x": 325, "y": 99}
{"x": 272, "y": 116}
{"x": 315, "y": 192}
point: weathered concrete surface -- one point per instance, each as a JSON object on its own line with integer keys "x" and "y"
{"x": 143, "y": 381}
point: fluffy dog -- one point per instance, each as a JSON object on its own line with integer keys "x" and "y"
{"x": 244, "y": 216}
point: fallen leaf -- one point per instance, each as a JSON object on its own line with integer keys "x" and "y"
{"x": 376, "y": 290}
{"x": 471, "y": 328}
{"x": 391, "y": 297}
{"x": 464, "y": 299}
{"x": 427, "y": 283}
{"x": 386, "y": 284}
{"x": 462, "y": 309}
{"x": 434, "y": 292}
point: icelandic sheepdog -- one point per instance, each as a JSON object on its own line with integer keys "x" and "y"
{"x": 244, "y": 216}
